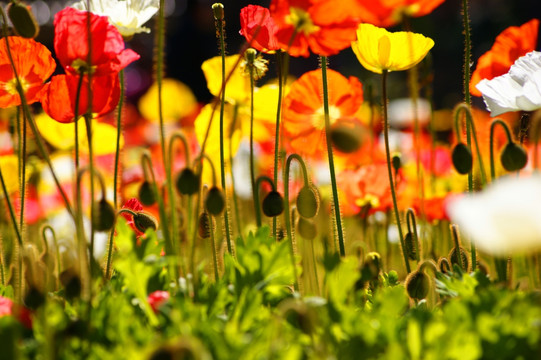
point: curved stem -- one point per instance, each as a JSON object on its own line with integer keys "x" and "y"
{"x": 337, "y": 215}
{"x": 287, "y": 212}
{"x": 389, "y": 167}
{"x": 509, "y": 139}
{"x": 198, "y": 161}
{"x": 257, "y": 204}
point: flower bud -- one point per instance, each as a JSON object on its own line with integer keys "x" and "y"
{"x": 215, "y": 201}
{"x": 34, "y": 298}
{"x": 417, "y": 285}
{"x": 410, "y": 243}
{"x": 308, "y": 202}
{"x": 204, "y": 228}
{"x": 462, "y": 158}
{"x": 513, "y": 157}
{"x": 188, "y": 182}
{"x": 143, "y": 221}
{"x": 346, "y": 136}
{"x": 146, "y": 194}
{"x": 103, "y": 217}
{"x": 23, "y": 20}
{"x": 273, "y": 204}
{"x": 218, "y": 11}
{"x": 71, "y": 282}
{"x": 306, "y": 228}
{"x": 444, "y": 266}
{"x": 453, "y": 258}
{"x": 371, "y": 267}
{"x": 298, "y": 315}
{"x": 396, "y": 161}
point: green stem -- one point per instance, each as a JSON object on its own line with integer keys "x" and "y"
{"x": 214, "y": 250}
{"x": 458, "y": 249}
{"x": 509, "y": 139}
{"x": 233, "y": 186}
{"x": 337, "y": 214}
{"x": 252, "y": 164}
{"x": 282, "y": 59}
{"x": 118, "y": 135}
{"x": 160, "y": 40}
{"x": 389, "y": 167}
{"x": 287, "y": 214}
{"x": 169, "y": 248}
{"x": 22, "y": 161}
{"x": 220, "y": 25}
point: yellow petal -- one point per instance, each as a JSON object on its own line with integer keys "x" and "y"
{"x": 10, "y": 169}
{"x": 237, "y": 87}
{"x": 61, "y": 136}
{"x": 378, "y": 49}
{"x": 178, "y": 101}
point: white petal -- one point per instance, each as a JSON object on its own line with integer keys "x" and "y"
{"x": 503, "y": 219}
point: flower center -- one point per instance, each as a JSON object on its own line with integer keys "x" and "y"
{"x": 318, "y": 118}
{"x": 81, "y": 67}
{"x": 301, "y": 20}
{"x": 11, "y": 86}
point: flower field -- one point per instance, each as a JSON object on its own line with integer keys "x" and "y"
{"x": 300, "y": 213}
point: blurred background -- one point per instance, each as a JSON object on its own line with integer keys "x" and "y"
{"x": 191, "y": 40}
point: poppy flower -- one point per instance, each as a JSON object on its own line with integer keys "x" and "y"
{"x": 519, "y": 89}
{"x": 386, "y": 13}
{"x": 379, "y": 50}
{"x": 136, "y": 206}
{"x": 71, "y": 44}
{"x": 323, "y": 26}
{"x": 257, "y": 19}
{"x": 512, "y": 43}
{"x": 156, "y": 299}
{"x": 34, "y": 65}
{"x": 127, "y": 15}
{"x": 59, "y": 96}
{"x": 8, "y": 308}
{"x": 504, "y": 218}
{"x": 367, "y": 187}
{"x": 304, "y": 121}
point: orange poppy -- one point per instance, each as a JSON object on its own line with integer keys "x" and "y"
{"x": 386, "y": 13}
{"x": 304, "y": 121}
{"x": 367, "y": 187}
{"x": 34, "y": 64}
{"x": 512, "y": 43}
{"x": 323, "y": 26}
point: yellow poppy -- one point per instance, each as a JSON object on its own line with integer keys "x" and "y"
{"x": 178, "y": 101}
{"x": 237, "y": 89}
{"x": 10, "y": 167}
{"x": 62, "y": 136}
{"x": 379, "y": 50}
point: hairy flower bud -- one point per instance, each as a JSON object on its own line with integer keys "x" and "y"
{"x": 462, "y": 158}
{"x": 215, "y": 201}
{"x": 146, "y": 194}
{"x": 273, "y": 204}
{"x": 308, "y": 202}
{"x": 103, "y": 217}
{"x": 23, "y": 20}
{"x": 513, "y": 157}
{"x": 188, "y": 182}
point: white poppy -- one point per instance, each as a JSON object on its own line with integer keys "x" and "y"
{"x": 519, "y": 89}
{"x": 503, "y": 219}
{"x": 127, "y": 15}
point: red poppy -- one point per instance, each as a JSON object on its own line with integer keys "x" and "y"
{"x": 135, "y": 206}
{"x": 254, "y": 18}
{"x": 71, "y": 43}
{"x": 34, "y": 64}
{"x": 304, "y": 121}
{"x": 512, "y": 43}
{"x": 323, "y": 26}
{"x": 59, "y": 96}
{"x": 22, "y": 314}
{"x": 386, "y": 13}
{"x": 157, "y": 299}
